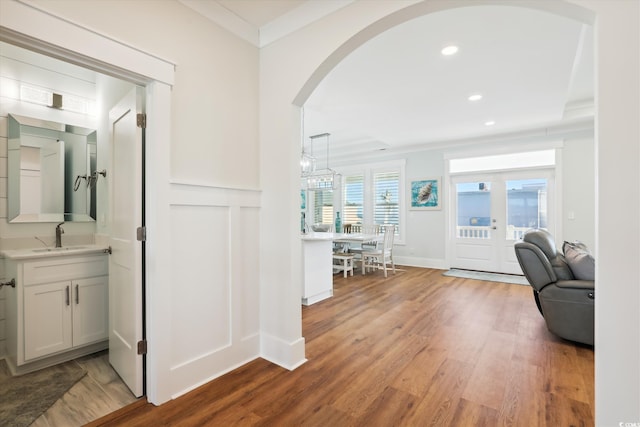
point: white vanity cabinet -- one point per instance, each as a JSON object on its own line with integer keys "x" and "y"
{"x": 62, "y": 315}
{"x": 59, "y": 309}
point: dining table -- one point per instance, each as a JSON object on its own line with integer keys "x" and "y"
{"x": 317, "y": 261}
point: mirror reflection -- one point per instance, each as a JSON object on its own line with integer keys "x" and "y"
{"x": 51, "y": 171}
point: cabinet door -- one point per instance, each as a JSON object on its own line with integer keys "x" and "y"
{"x": 90, "y": 310}
{"x": 47, "y": 319}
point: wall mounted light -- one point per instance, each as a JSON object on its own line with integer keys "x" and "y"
{"x": 36, "y": 95}
{"x": 59, "y": 101}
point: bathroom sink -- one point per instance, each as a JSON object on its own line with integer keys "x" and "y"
{"x": 53, "y": 252}
{"x": 67, "y": 248}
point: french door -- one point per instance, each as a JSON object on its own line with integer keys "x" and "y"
{"x": 490, "y": 211}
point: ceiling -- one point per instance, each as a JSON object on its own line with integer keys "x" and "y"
{"x": 398, "y": 92}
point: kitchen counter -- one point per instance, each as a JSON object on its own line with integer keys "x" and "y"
{"x": 317, "y": 270}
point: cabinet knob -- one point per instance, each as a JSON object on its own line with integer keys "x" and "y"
{"x": 11, "y": 283}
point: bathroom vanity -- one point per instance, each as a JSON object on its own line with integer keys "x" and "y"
{"x": 58, "y": 309}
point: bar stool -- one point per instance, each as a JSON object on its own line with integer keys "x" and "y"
{"x": 345, "y": 262}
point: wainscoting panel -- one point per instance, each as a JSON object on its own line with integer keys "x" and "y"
{"x": 201, "y": 294}
{"x": 215, "y": 277}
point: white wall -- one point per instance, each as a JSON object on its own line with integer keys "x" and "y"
{"x": 579, "y": 191}
{"x": 617, "y": 339}
{"x": 214, "y": 101}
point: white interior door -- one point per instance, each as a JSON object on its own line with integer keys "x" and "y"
{"x": 125, "y": 262}
{"x": 491, "y": 211}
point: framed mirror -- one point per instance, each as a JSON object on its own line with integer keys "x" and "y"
{"x": 51, "y": 171}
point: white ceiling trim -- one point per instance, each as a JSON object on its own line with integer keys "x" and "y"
{"x": 282, "y": 26}
{"x": 297, "y": 18}
{"x": 228, "y": 20}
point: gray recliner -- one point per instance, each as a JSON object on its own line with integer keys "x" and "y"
{"x": 567, "y": 304}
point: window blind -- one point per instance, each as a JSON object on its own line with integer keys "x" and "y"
{"x": 323, "y": 207}
{"x": 353, "y": 199}
{"x": 386, "y": 193}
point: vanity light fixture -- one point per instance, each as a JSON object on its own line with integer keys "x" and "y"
{"x": 449, "y": 50}
{"x": 36, "y": 95}
{"x": 475, "y": 97}
{"x": 47, "y": 97}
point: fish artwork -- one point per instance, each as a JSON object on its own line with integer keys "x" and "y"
{"x": 425, "y": 193}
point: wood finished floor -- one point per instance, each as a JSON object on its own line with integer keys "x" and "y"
{"x": 97, "y": 394}
{"x": 416, "y": 349}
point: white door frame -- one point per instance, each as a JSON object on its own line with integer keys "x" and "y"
{"x": 27, "y": 27}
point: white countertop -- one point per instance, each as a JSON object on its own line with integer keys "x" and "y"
{"x": 35, "y": 253}
{"x": 319, "y": 236}
{"x": 344, "y": 237}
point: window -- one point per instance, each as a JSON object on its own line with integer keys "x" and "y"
{"x": 322, "y": 207}
{"x": 373, "y": 194}
{"x": 353, "y": 199}
{"x": 386, "y": 191}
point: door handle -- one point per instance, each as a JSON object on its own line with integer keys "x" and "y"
{"x": 66, "y": 291}
{"x": 77, "y": 294}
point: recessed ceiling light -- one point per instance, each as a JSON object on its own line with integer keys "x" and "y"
{"x": 489, "y": 123}
{"x": 475, "y": 97}
{"x": 449, "y": 50}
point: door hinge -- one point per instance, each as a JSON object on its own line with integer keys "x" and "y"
{"x": 141, "y": 120}
{"x": 141, "y": 234}
{"x": 142, "y": 347}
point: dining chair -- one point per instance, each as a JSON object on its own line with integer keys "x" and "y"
{"x": 371, "y": 245}
{"x": 371, "y": 229}
{"x": 382, "y": 254}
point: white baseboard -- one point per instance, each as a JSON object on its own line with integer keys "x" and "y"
{"x": 440, "y": 264}
{"x": 289, "y": 355}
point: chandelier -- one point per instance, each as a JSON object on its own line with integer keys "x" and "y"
{"x": 317, "y": 179}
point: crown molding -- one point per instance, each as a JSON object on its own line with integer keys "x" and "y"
{"x": 280, "y": 27}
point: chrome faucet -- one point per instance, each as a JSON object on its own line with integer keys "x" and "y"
{"x": 59, "y": 232}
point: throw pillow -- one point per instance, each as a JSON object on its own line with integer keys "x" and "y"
{"x": 580, "y": 260}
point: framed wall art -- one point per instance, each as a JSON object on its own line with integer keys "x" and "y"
{"x": 425, "y": 194}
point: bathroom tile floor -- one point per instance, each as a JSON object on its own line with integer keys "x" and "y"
{"x": 99, "y": 393}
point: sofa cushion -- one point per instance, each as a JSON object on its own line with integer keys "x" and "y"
{"x": 580, "y": 260}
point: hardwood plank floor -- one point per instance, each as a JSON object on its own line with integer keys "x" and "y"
{"x": 415, "y": 349}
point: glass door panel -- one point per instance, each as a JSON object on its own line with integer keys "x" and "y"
{"x": 527, "y": 206}
{"x": 473, "y": 219}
